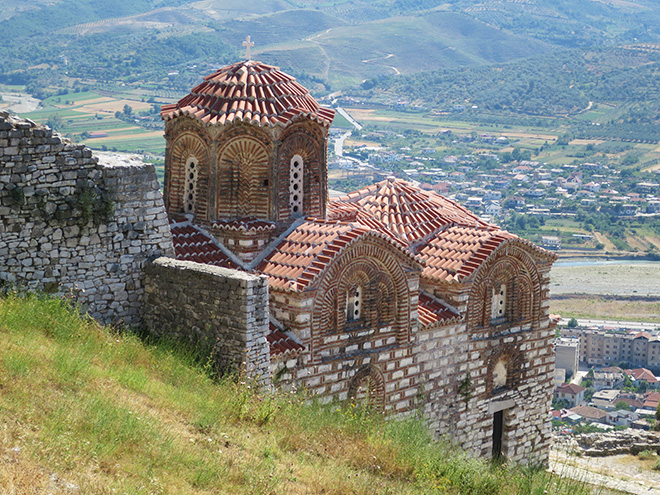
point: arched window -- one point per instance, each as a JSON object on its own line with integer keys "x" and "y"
{"x": 354, "y": 304}
{"x": 190, "y": 191}
{"x": 296, "y": 185}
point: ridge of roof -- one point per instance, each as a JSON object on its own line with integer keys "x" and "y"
{"x": 249, "y": 91}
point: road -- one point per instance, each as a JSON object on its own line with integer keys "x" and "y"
{"x": 346, "y": 115}
{"x": 633, "y": 325}
{"x": 339, "y": 144}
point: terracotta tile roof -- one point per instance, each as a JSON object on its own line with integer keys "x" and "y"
{"x": 633, "y": 403}
{"x": 651, "y": 400}
{"x": 249, "y": 91}
{"x": 570, "y": 388}
{"x": 642, "y": 374}
{"x": 455, "y": 253}
{"x": 432, "y": 311}
{"x": 281, "y": 345}
{"x": 588, "y": 412}
{"x": 191, "y": 244}
{"x": 305, "y": 253}
{"x": 406, "y": 211}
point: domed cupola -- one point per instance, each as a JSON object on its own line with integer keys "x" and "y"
{"x": 247, "y": 146}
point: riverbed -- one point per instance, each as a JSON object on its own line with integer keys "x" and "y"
{"x": 611, "y": 277}
{"x": 18, "y": 103}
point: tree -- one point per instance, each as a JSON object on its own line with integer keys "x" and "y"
{"x": 622, "y": 405}
{"x": 572, "y": 323}
{"x": 657, "y": 413}
{"x": 55, "y": 122}
{"x": 128, "y": 109}
{"x": 642, "y": 386}
{"x": 628, "y": 384}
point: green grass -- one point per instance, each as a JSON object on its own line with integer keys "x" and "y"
{"x": 110, "y": 413}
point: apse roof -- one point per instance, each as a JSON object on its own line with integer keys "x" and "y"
{"x": 252, "y": 92}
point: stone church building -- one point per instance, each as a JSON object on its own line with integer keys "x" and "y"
{"x": 390, "y": 296}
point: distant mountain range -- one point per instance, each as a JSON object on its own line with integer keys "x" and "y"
{"x": 330, "y": 45}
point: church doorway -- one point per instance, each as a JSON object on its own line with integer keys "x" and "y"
{"x": 498, "y": 434}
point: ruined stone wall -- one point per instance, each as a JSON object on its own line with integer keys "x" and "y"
{"x": 218, "y": 308}
{"x": 71, "y": 224}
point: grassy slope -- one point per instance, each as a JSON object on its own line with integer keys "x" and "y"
{"x": 92, "y": 407}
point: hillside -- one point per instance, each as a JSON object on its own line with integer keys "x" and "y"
{"x": 336, "y": 44}
{"x": 86, "y": 409}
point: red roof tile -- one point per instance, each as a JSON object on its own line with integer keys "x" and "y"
{"x": 305, "y": 252}
{"x": 405, "y": 211}
{"x": 588, "y": 412}
{"x": 432, "y": 311}
{"x": 642, "y": 374}
{"x": 249, "y": 91}
{"x": 281, "y": 345}
{"x": 570, "y": 388}
{"x": 191, "y": 244}
{"x": 455, "y": 253}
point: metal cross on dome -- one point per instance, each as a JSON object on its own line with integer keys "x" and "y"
{"x": 248, "y": 44}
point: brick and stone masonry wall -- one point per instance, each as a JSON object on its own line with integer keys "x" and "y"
{"x": 69, "y": 223}
{"x": 213, "y": 307}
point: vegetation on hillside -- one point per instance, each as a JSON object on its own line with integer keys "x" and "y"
{"x": 559, "y": 83}
{"x": 99, "y": 410}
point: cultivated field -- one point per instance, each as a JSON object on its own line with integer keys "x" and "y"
{"x": 90, "y": 118}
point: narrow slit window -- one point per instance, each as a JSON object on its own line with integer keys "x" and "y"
{"x": 498, "y": 305}
{"x": 354, "y": 304}
{"x": 190, "y": 191}
{"x": 296, "y": 170}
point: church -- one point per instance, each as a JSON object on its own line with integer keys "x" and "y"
{"x": 391, "y": 297}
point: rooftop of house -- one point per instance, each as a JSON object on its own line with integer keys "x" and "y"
{"x": 192, "y": 244}
{"x": 252, "y": 92}
{"x": 570, "y": 388}
{"x": 589, "y": 412}
{"x": 642, "y": 374}
{"x": 607, "y": 395}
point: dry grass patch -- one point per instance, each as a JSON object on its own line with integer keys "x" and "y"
{"x": 128, "y": 136}
{"x": 361, "y": 114}
{"x": 111, "y": 413}
{"x": 581, "y": 306}
{"x": 112, "y": 106}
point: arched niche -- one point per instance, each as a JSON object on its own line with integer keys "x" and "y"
{"x": 187, "y": 149}
{"x": 505, "y": 291}
{"x": 243, "y": 179}
{"x": 302, "y": 154}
